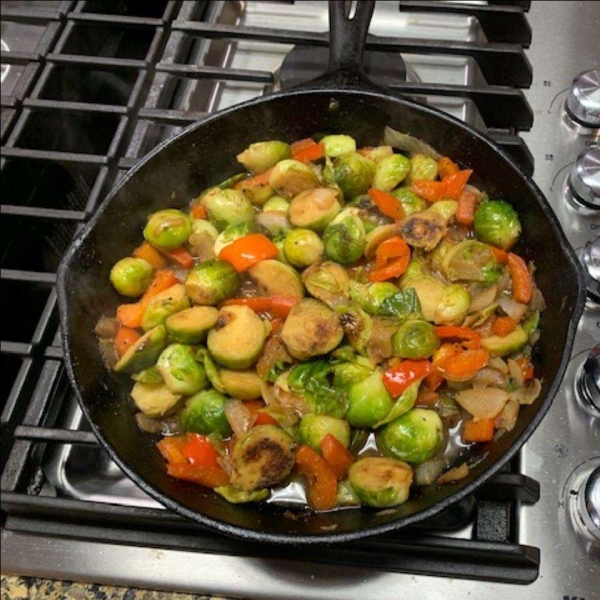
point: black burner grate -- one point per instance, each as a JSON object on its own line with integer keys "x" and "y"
{"x": 80, "y": 109}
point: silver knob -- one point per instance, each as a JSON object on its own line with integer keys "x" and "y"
{"x": 588, "y": 506}
{"x": 588, "y": 383}
{"x": 584, "y": 179}
{"x": 583, "y": 101}
{"x": 590, "y": 257}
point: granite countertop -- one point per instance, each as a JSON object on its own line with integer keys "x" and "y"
{"x": 31, "y": 588}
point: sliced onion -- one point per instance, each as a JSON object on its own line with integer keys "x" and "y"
{"x": 273, "y": 220}
{"x": 498, "y": 363}
{"x": 108, "y": 352}
{"x": 171, "y": 425}
{"x": 453, "y": 474}
{"x": 426, "y": 473}
{"x": 106, "y": 327}
{"x": 515, "y": 310}
{"x": 148, "y": 424}
{"x": 516, "y": 372}
{"x": 408, "y": 143}
{"x": 488, "y": 377}
{"x": 482, "y": 297}
{"x": 239, "y": 417}
{"x": 537, "y": 301}
{"x": 483, "y": 403}
{"x": 528, "y": 394}
{"x": 507, "y": 419}
{"x": 378, "y": 235}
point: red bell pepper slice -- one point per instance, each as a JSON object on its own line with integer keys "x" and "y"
{"x": 181, "y": 256}
{"x": 387, "y": 204}
{"x": 248, "y": 250}
{"x": 451, "y": 187}
{"x": 460, "y": 333}
{"x": 278, "y": 306}
{"x": 336, "y": 456}
{"x": 391, "y": 259}
{"x": 521, "y": 279}
{"x": 322, "y": 484}
{"x": 311, "y": 154}
{"x": 400, "y": 377}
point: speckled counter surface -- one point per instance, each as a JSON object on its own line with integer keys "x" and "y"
{"x": 30, "y": 588}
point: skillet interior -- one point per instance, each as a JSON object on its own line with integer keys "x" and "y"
{"x": 204, "y": 155}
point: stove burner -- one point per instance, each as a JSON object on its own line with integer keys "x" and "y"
{"x": 5, "y": 68}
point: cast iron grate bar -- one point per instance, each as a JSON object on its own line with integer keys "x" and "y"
{"x": 125, "y": 21}
{"x": 28, "y": 15}
{"x": 501, "y": 64}
{"x": 171, "y": 117}
{"x": 28, "y": 276}
{"x": 499, "y": 23}
{"x": 200, "y": 72}
{"x": 43, "y": 104}
{"x": 50, "y": 434}
{"x": 524, "y": 4}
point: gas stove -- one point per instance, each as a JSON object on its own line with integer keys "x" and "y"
{"x": 89, "y": 87}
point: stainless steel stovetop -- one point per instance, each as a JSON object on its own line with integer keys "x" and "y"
{"x": 561, "y": 454}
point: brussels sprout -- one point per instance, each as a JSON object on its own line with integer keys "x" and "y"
{"x": 454, "y": 305}
{"x": 290, "y": 177}
{"x": 346, "y": 374}
{"x": 336, "y": 145}
{"x": 413, "y": 437}
{"x": 143, "y": 353}
{"x": 262, "y": 457}
{"x": 235, "y": 495}
{"x": 302, "y": 247}
{"x": 212, "y": 371}
{"x": 276, "y": 203}
{"x": 260, "y": 157}
{"x": 344, "y": 240}
{"x": 430, "y": 292}
{"x": 368, "y": 402}
{"x": 402, "y": 404}
{"x": 205, "y": 413}
{"x": 202, "y": 239}
{"x": 167, "y": 229}
{"x": 503, "y": 346}
{"x": 497, "y": 222}
{"x": 411, "y": 202}
{"x": 149, "y": 375}
{"x": 313, "y": 428}
{"x": 131, "y": 276}
{"x": 191, "y": 325}
{"x": 233, "y": 232}
{"x": 237, "y": 338}
{"x": 390, "y": 172}
{"x": 180, "y": 371}
{"x": 273, "y": 277}
{"x": 211, "y": 282}
{"x": 424, "y": 229}
{"x": 311, "y": 329}
{"x": 346, "y": 496}
{"x": 422, "y": 167}
{"x": 163, "y": 305}
{"x": 245, "y": 385}
{"x": 377, "y": 153}
{"x": 314, "y": 209}
{"x": 256, "y": 194}
{"x": 402, "y": 306}
{"x": 531, "y": 322}
{"x": 414, "y": 269}
{"x": 154, "y": 399}
{"x": 381, "y": 482}
{"x": 470, "y": 260}
{"x": 370, "y": 297}
{"x": 327, "y": 282}
{"x": 353, "y": 173}
{"x": 446, "y": 208}
{"x": 357, "y": 325}
{"x": 415, "y": 339}
{"x": 226, "y": 207}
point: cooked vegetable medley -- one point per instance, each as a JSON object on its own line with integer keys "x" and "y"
{"x": 351, "y": 318}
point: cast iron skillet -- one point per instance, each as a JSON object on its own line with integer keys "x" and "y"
{"x": 342, "y": 100}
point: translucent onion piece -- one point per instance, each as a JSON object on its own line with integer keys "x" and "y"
{"x": 485, "y": 403}
{"x": 408, "y": 143}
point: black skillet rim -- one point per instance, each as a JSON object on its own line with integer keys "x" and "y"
{"x": 249, "y": 534}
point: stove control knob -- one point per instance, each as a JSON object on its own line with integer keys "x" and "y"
{"x": 588, "y": 383}
{"x": 584, "y": 179}
{"x": 586, "y": 511}
{"x": 590, "y": 257}
{"x": 583, "y": 101}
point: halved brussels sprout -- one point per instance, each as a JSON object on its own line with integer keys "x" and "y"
{"x": 472, "y": 261}
{"x": 429, "y": 290}
{"x": 149, "y": 375}
{"x": 410, "y": 200}
{"x": 211, "y": 282}
{"x": 446, "y": 208}
{"x": 344, "y": 239}
{"x": 503, "y": 346}
{"x": 357, "y": 325}
{"x": 163, "y": 305}
{"x": 311, "y": 329}
{"x": 233, "y": 232}
{"x": 256, "y": 193}
{"x": 415, "y": 339}
{"x": 346, "y": 374}
{"x": 245, "y": 385}
{"x": 205, "y": 413}
{"x": 202, "y": 239}
{"x": 191, "y": 325}
{"x": 180, "y": 371}
{"x": 454, "y": 305}
{"x": 402, "y": 306}
{"x": 353, "y": 173}
{"x": 313, "y": 428}
{"x": 143, "y": 353}
{"x": 413, "y": 437}
{"x": 154, "y": 399}
{"x": 381, "y": 482}
{"x": 370, "y": 297}
{"x": 327, "y": 282}
{"x": 315, "y": 208}
{"x": 168, "y": 228}
{"x": 346, "y": 496}
{"x": 311, "y": 390}
{"x": 262, "y": 458}
{"x": 276, "y": 203}
{"x": 235, "y": 495}
{"x": 368, "y": 402}
{"x": 402, "y": 404}
{"x": 290, "y": 177}
{"x": 226, "y": 207}
{"x": 422, "y": 167}
{"x": 497, "y": 222}
{"x": 336, "y": 145}
{"x": 390, "y": 171}
{"x": 273, "y": 277}
{"x": 260, "y": 157}
{"x": 531, "y": 322}
{"x": 237, "y": 338}
{"x": 424, "y": 229}
{"x": 302, "y": 247}
{"x": 131, "y": 276}
{"x": 377, "y": 153}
